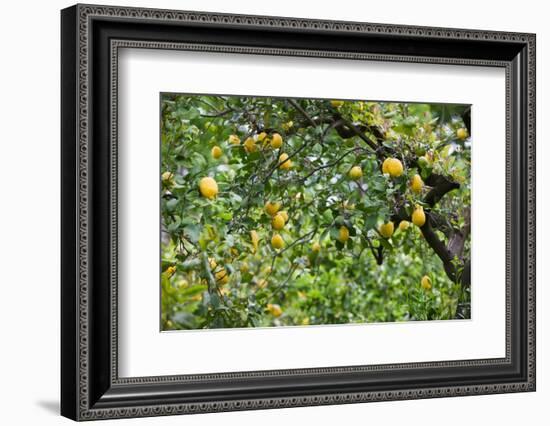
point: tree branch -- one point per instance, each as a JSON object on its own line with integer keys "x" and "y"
{"x": 440, "y": 186}
{"x": 350, "y": 127}
{"x": 302, "y": 111}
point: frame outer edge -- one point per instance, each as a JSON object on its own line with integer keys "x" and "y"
{"x": 81, "y": 340}
{"x": 69, "y": 191}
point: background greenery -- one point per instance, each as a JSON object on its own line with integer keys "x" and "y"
{"x": 213, "y": 275}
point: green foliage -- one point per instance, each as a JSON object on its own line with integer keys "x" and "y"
{"x": 212, "y": 275}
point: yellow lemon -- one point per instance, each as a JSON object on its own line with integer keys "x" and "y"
{"x": 278, "y": 222}
{"x": 336, "y": 104}
{"x": 462, "y": 133}
{"x": 208, "y": 187}
{"x": 272, "y": 208}
{"x": 343, "y": 234}
{"x": 234, "y": 140}
{"x": 276, "y": 141}
{"x": 262, "y": 136}
{"x": 216, "y": 152}
{"x": 386, "y": 229}
{"x": 403, "y": 225}
{"x": 426, "y": 283}
{"x": 316, "y": 247}
{"x": 286, "y": 164}
{"x": 418, "y": 217}
{"x": 394, "y": 167}
{"x": 417, "y": 184}
{"x": 221, "y": 276}
{"x": 262, "y": 283}
{"x": 277, "y": 242}
{"x": 355, "y": 172}
{"x": 274, "y": 310}
{"x": 249, "y": 145}
{"x": 284, "y": 214}
{"x": 167, "y": 179}
{"x": 171, "y": 270}
{"x": 255, "y": 240}
{"x": 167, "y": 176}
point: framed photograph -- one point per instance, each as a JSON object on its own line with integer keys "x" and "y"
{"x": 263, "y": 212}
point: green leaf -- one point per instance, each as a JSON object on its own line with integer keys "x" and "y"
{"x": 193, "y": 232}
{"x": 172, "y": 204}
{"x": 215, "y": 300}
{"x": 370, "y": 221}
{"x": 193, "y": 290}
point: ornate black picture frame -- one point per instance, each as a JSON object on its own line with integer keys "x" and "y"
{"x": 91, "y": 37}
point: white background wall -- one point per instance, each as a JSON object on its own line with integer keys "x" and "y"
{"x": 29, "y": 211}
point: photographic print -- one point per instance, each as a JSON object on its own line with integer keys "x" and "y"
{"x": 301, "y": 212}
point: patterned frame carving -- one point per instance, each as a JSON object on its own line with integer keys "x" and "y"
{"x": 85, "y": 14}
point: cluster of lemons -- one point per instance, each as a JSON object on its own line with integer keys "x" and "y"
{"x": 208, "y": 188}
{"x": 279, "y": 218}
{"x": 274, "y": 140}
{"x": 394, "y": 168}
{"x": 250, "y": 144}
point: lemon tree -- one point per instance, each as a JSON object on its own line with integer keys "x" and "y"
{"x": 305, "y": 212}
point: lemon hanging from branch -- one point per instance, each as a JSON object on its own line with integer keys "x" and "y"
{"x": 285, "y": 163}
{"x": 276, "y": 141}
{"x": 274, "y": 310}
{"x": 216, "y": 152}
{"x": 355, "y": 173}
{"x": 277, "y": 242}
{"x": 278, "y": 222}
{"x": 419, "y": 217}
{"x": 234, "y": 140}
{"x": 343, "y": 234}
{"x": 393, "y": 167}
{"x": 272, "y": 208}
{"x": 386, "y": 229}
{"x": 417, "y": 184}
{"x": 208, "y": 187}
{"x": 168, "y": 179}
{"x": 462, "y": 133}
{"x": 262, "y": 136}
{"x": 250, "y": 145}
